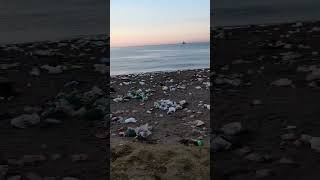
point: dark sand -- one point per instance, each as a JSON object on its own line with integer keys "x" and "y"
{"x": 294, "y": 105}
{"x": 161, "y": 155}
{"x": 74, "y": 135}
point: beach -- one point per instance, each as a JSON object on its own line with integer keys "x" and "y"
{"x": 266, "y": 98}
{"x": 49, "y": 91}
{"x": 168, "y": 151}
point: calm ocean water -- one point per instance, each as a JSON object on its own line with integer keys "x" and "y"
{"x": 38, "y": 20}
{"x": 235, "y": 12}
{"x": 159, "y": 58}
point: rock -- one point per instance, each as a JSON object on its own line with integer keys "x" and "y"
{"x": 8, "y": 66}
{"x": 18, "y": 177}
{"x": 53, "y": 69}
{"x": 32, "y": 176}
{"x": 165, "y": 88}
{"x": 3, "y": 171}
{"x": 30, "y": 109}
{"x": 79, "y": 157}
{"x": 243, "y": 151}
{"x": 254, "y": 157}
{"x": 219, "y": 144}
{"x": 102, "y": 68}
{"x": 256, "y": 102}
{"x": 50, "y": 178}
{"x": 183, "y": 102}
{"x": 262, "y": 173}
{"x": 288, "y": 137}
{"x": 71, "y": 83}
{"x": 305, "y": 138}
{"x": 55, "y": 157}
{"x": 286, "y": 161}
{"x": 33, "y": 159}
{"x": 25, "y": 120}
{"x": 94, "y": 93}
{"x": 52, "y": 121}
{"x": 35, "y": 71}
{"x": 290, "y": 127}
{"x": 232, "y": 128}
{"x": 282, "y": 82}
{"x": 314, "y": 75}
{"x": 80, "y": 112}
{"x": 315, "y": 143}
{"x": 70, "y": 178}
{"x": 198, "y": 123}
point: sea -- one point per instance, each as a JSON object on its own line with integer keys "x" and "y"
{"x": 152, "y": 58}
{"x": 41, "y": 20}
{"x": 245, "y": 12}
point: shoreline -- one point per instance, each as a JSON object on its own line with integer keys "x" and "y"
{"x": 55, "y": 40}
{"x": 157, "y": 72}
{"x": 230, "y": 27}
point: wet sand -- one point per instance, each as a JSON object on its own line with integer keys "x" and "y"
{"x": 71, "y": 146}
{"x": 265, "y": 77}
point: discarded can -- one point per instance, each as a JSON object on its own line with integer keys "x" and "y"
{"x": 198, "y": 142}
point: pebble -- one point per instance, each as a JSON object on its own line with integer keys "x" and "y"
{"x": 70, "y": 178}
{"x": 254, "y": 157}
{"x": 262, "y": 173}
{"x": 79, "y": 157}
{"x": 52, "y": 121}
{"x": 25, "y": 120}
{"x": 288, "y": 136}
{"x": 315, "y": 143}
{"x": 282, "y": 82}
{"x": 219, "y": 144}
{"x": 232, "y": 128}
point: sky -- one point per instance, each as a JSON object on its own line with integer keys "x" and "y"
{"x": 150, "y": 22}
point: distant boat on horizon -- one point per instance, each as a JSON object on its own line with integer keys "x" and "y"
{"x": 184, "y": 42}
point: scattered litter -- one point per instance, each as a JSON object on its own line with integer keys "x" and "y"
{"x": 195, "y": 142}
{"x": 143, "y": 131}
{"x": 130, "y": 120}
{"x": 167, "y": 105}
{"x": 139, "y": 94}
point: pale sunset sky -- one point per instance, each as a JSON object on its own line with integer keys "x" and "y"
{"x": 149, "y": 22}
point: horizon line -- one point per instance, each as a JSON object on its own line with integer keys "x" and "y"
{"x": 158, "y": 44}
